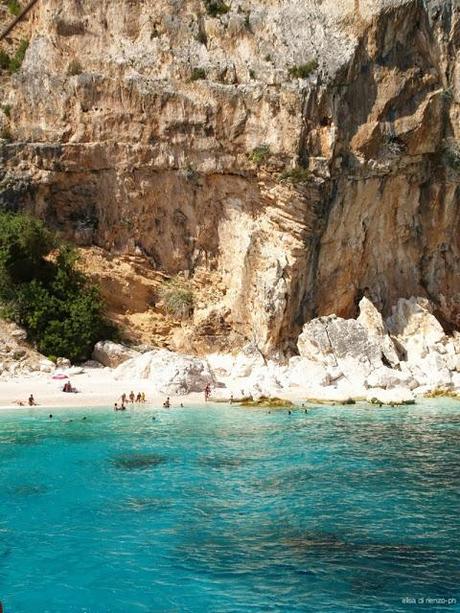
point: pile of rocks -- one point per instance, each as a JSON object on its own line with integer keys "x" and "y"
{"x": 17, "y": 357}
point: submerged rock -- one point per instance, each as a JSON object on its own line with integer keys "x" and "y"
{"x": 138, "y": 461}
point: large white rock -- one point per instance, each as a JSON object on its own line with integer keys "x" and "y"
{"x": 304, "y": 374}
{"x": 170, "y": 373}
{"x": 415, "y": 328}
{"x": 342, "y": 344}
{"x": 432, "y": 370}
{"x": 389, "y": 378}
{"x": 372, "y": 320}
{"x": 248, "y": 360}
{"x": 398, "y": 395}
{"x": 112, "y": 354}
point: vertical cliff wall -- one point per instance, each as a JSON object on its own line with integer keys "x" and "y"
{"x": 305, "y": 153}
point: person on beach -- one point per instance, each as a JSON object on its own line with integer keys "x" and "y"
{"x": 167, "y": 403}
{"x": 139, "y": 398}
{"x": 123, "y": 398}
{"x": 207, "y": 392}
{"x": 32, "y": 402}
{"x": 143, "y": 397}
{"x": 115, "y": 406}
{"x": 231, "y": 398}
{"x": 132, "y": 397}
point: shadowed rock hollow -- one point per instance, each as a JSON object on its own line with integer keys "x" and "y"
{"x": 161, "y": 128}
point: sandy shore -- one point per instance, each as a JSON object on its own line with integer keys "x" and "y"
{"x": 97, "y": 388}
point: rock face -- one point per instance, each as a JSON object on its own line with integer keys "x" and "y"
{"x": 112, "y": 354}
{"x": 307, "y": 153}
{"x": 341, "y": 343}
{"x": 168, "y": 372}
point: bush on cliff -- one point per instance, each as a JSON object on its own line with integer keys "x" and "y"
{"x": 14, "y": 7}
{"x": 177, "y": 298}
{"x": 42, "y": 290}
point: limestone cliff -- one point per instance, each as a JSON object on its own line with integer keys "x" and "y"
{"x": 303, "y": 153}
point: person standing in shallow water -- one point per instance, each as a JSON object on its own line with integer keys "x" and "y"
{"x": 132, "y": 397}
{"x": 207, "y": 392}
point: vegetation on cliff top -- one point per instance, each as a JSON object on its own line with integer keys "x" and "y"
{"x": 42, "y": 290}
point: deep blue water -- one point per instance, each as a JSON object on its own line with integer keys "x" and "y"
{"x": 229, "y": 509}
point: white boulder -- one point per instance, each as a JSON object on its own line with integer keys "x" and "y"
{"x": 432, "y": 370}
{"x": 372, "y": 321}
{"x": 342, "y": 344}
{"x": 415, "y": 328}
{"x": 112, "y": 354}
{"x": 389, "y": 378}
{"x": 397, "y": 395}
{"x": 169, "y": 373}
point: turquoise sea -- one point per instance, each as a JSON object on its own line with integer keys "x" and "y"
{"x": 228, "y": 509}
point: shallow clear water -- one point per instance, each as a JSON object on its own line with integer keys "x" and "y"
{"x": 229, "y": 509}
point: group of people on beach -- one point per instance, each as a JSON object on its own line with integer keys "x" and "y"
{"x": 132, "y": 398}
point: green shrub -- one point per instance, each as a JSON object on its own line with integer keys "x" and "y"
{"x": 18, "y": 58}
{"x": 303, "y": 70}
{"x": 41, "y": 290}
{"x": 14, "y": 7}
{"x": 201, "y": 37}
{"x": 247, "y": 21}
{"x": 4, "y": 60}
{"x": 74, "y": 68}
{"x": 5, "y": 134}
{"x": 198, "y": 74}
{"x": 295, "y": 175}
{"x": 177, "y": 299}
{"x": 6, "y": 108}
{"x": 214, "y": 8}
{"x": 259, "y": 154}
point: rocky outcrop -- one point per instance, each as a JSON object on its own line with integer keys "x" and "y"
{"x": 339, "y": 343}
{"x": 17, "y": 357}
{"x": 373, "y": 322}
{"x": 305, "y": 153}
{"x": 168, "y": 372}
{"x": 112, "y": 354}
